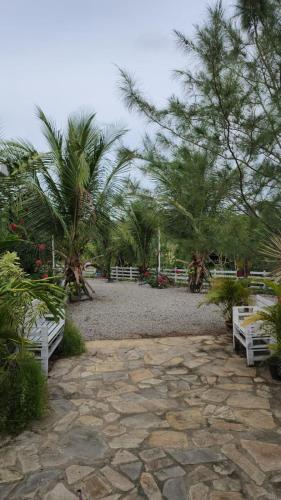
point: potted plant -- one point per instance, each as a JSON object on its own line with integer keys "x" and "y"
{"x": 227, "y": 293}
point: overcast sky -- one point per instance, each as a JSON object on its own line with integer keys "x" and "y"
{"x": 62, "y": 55}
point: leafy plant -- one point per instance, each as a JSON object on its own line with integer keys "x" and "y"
{"x": 272, "y": 250}
{"x": 72, "y": 343}
{"x": 271, "y": 317}
{"x": 227, "y": 293}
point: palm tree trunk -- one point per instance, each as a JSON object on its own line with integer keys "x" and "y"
{"x": 74, "y": 277}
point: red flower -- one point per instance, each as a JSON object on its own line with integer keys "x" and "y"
{"x": 41, "y": 247}
{"x": 38, "y": 263}
{"x": 13, "y": 227}
{"x": 44, "y": 276}
{"x": 178, "y": 271}
{"x": 146, "y": 274}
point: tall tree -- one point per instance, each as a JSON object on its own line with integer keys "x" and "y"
{"x": 230, "y": 107}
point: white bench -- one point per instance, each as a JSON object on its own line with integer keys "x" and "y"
{"x": 252, "y": 337}
{"x": 263, "y": 301}
{"x": 45, "y": 335}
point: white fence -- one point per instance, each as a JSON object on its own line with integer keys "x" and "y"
{"x": 179, "y": 275}
{"x": 124, "y": 273}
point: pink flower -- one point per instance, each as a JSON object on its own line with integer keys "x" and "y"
{"x": 41, "y": 247}
{"x": 13, "y": 227}
{"x": 44, "y": 276}
{"x": 38, "y": 263}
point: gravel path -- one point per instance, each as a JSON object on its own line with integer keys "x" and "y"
{"x": 128, "y": 310}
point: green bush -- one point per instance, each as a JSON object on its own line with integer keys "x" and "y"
{"x": 227, "y": 293}
{"x": 23, "y": 392}
{"x": 72, "y": 343}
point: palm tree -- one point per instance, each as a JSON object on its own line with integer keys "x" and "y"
{"x": 191, "y": 192}
{"x": 67, "y": 187}
{"x": 272, "y": 251}
{"x": 142, "y": 226}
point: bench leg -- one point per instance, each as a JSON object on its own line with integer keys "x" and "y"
{"x": 235, "y": 341}
{"x": 250, "y": 357}
{"x": 236, "y": 345}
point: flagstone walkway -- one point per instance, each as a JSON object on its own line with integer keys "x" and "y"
{"x": 168, "y": 418}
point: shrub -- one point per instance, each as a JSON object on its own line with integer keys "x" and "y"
{"x": 72, "y": 343}
{"x": 23, "y": 392}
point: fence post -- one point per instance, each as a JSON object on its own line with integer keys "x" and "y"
{"x": 131, "y": 273}
{"x": 175, "y": 275}
{"x": 116, "y": 273}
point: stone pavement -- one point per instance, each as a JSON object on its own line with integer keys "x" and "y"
{"x": 172, "y": 418}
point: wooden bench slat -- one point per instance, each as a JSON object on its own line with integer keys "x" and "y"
{"x": 44, "y": 345}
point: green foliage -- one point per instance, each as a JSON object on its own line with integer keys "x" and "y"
{"x": 272, "y": 251}
{"x": 72, "y": 343}
{"x": 191, "y": 192}
{"x": 23, "y": 392}
{"x": 227, "y": 293}
{"x": 229, "y": 114}
{"x": 69, "y": 187}
{"x": 22, "y": 383}
{"x": 18, "y": 291}
{"x": 253, "y": 12}
{"x": 142, "y": 227}
{"x": 271, "y": 318}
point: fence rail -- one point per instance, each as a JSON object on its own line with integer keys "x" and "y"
{"x": 179, "y": 275}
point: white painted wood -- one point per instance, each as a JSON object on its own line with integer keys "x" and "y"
{"x": 44, "y": 349}
{"x": 265, "y": 301}
{"x": 252, "y": 337}
{"x": 45, "y": 335}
